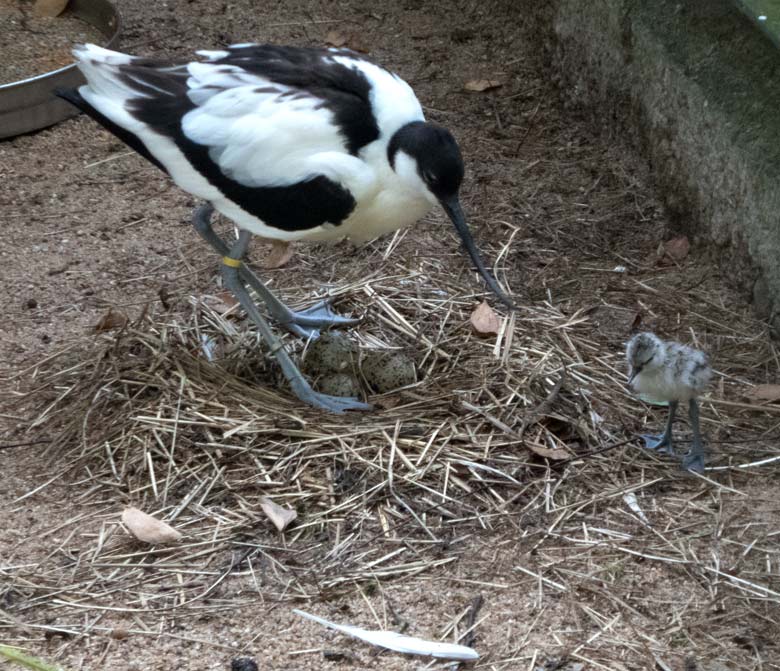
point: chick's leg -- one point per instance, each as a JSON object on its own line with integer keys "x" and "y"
{"x": 694, "y": 459}
{"x": 663, "y": 442}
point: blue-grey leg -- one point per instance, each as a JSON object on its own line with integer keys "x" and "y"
{"x": 694, "y": 458}
{"x": 231, "y": 266}
{"x": 663, "y": 442}
{"x": 304, "y": 323}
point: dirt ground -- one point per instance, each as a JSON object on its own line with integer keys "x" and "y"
{"x": 90, "y": 226}
{"x": 33, "y": 44}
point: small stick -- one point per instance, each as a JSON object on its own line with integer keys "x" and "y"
{"x": 9, "y": 446}
{"x": 595, "y": 452}
{"x": 545, "y": 406}
{"x": 471, "y": 618}
{"x": 469, "y": 638}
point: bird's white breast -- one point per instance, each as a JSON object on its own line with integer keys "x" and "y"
{"x": 661, "y": 385}
{"x": 394, "y": 204}
{"x": 682, "y": 374}
{"x": 391, "y": 209}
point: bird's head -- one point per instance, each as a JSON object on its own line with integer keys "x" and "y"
{"x": 427, "y": 159}
{"x": 644, "y": 352}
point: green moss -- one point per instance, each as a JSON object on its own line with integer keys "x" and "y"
{"x": 16, "y": 655}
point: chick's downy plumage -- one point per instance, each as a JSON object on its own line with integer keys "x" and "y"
{"x": 666, "y": 370}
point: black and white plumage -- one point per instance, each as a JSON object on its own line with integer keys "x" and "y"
{"x": 289, "y": 143}
{"x": 672, "y": 372}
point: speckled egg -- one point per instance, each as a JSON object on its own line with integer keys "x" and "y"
{"x": 385, "y": 371}
{"x": 339, "y": 384}
{"x": 330, "y": 353}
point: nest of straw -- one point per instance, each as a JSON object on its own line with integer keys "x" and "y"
{"x": 526, "y": 435}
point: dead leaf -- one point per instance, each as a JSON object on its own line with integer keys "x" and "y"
{"x": 335, "y": 38}
{"x": 111, "y": 320}
{"x": 357, "y": 41}
{"x": 484, "y": 320}
{"x": 547, "y": 453}
{"x": 149, "y": 529}
{"x": 281, "y": 517}
{"x": 281, "y": 252}
{"x": 764, "y": 393}
{"x": 677, "y": 248}
{"x": 222, "y": 302}
{"x": 49, "y": 7}
{"x": 227, "y": 298}
{"x": 480, "y": 85}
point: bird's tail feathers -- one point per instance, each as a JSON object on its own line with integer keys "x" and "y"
{"x": 101, "y": 68}
{"x": 109, "y": 115}
{"x": 93, "y": 52}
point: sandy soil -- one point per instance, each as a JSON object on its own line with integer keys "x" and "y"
{"x": 33, "y": 45}
{"x": 89, "y": 226}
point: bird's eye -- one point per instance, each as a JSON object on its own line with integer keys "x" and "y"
{"x": 429, "y": 177}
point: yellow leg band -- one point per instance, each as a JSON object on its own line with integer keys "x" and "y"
{"x": 233, "y": 263}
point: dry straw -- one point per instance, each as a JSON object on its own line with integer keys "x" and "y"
{"x": 525, "y": 437}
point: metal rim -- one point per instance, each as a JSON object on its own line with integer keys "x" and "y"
{"x": 112, "y": 38}
{"x": 28, "y": 104}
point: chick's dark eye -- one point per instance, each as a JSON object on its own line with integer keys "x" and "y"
{"x": 429, "y": 177}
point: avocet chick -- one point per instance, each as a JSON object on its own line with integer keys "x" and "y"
{"x": 669, "y": 371}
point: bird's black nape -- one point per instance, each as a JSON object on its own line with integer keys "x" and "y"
{"x": 437, "y": 155}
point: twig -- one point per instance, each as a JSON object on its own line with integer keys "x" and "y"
{"x": 10, "y": 446}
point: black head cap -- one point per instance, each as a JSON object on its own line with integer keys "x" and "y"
{"x": 440, "y": 166}
{"x": 437, "y": 154}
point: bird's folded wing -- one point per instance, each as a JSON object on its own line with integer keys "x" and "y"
{"x": 223, "y": 130}
{"x": 258, "y": 134}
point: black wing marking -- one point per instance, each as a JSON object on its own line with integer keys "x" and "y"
{"x": 295, "y": 207}
{"x": 345, "y": 91}
{"x": 164, "y": 102}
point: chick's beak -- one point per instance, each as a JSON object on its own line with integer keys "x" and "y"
{"x": 455, "y": 213}
{"x": 635, "y": 370}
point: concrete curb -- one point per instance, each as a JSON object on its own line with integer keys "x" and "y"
{"x": 698, "y": 84}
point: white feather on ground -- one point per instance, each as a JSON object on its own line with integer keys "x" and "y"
{"x": 399, "y": 642}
